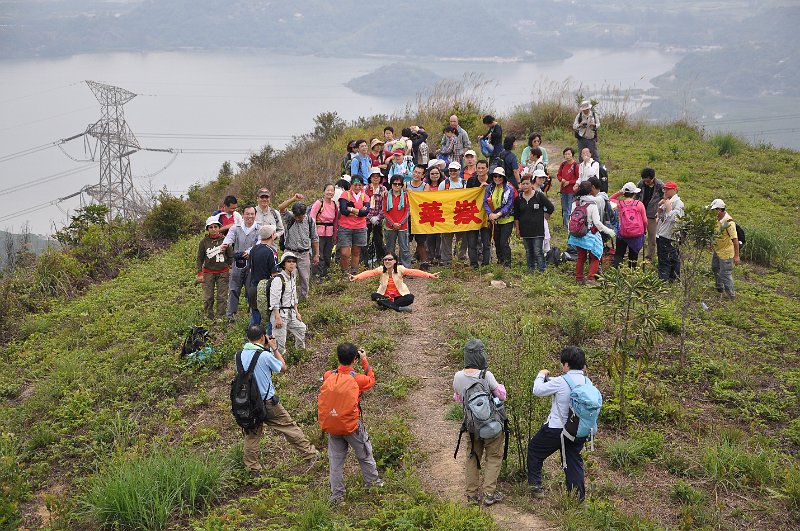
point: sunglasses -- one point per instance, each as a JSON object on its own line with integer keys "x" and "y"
{"x": 388, "y": 259}
{"x": 453, "y": 171}
{"x": 397, "y": 184}
{"x": 264, "y": 196}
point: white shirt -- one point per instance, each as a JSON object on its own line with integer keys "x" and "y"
{"x": 594, "y": 215}
{"x": 559, "y": 409}
{"x": 453, "y": 185}
{"x": 587, "y": 169}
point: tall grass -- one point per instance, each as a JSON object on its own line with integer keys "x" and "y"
{"x": 769, "y": 247}
{"x": 732, "y": 465}
{"x": 143, "y": 493}
{"x": 728, "y": 144}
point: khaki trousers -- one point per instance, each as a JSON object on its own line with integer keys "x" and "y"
{"x": 279, "y": 420}
{"x": 218, "y": 282}
{"x": 490, "y": 452}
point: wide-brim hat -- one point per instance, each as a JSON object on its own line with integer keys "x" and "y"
{"x": 213, "y": 220}
{"x": 288, "y": 255}
{"x": 631, "y": 188}
{"x": 499, "y": 171}
{"x": 585, "y": 105}
{"x": 375, "y": 142}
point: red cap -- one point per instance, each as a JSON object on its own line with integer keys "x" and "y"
{"x": 671, "y": 185}
{"x": 398, "y": 152}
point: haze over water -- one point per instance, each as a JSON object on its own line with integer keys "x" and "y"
{"x": 226, "y": 105}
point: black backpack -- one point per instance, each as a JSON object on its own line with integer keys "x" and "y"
{"x": 246, "y": 405}
{"x": 603, "y": 176}
{"x": 196, "y": 340}
{"x": 740, "y": 234}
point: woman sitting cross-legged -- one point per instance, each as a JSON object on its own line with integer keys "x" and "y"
{"x": 392, "y": 291}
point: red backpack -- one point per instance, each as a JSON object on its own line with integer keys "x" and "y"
{"x": 337, "y": 406}
{"x": 630, "y": 222}
{"x": 579, "y": 220}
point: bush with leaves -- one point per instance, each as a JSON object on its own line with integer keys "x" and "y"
{"x": 169, "y": 220}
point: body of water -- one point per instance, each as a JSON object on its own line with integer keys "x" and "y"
{"x": 221, "y": 106}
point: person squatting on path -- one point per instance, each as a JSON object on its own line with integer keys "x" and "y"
{"x": 280, "y": 303}
{"x": 270, "y": 362}
{"x": 339, "y": 415}
{"x": 392, "y": 292}
{"x": 213, "y": 265}
{"x": 498, "y": 202}
{"x": 484, "y": 453}
{"x": 549, "y": 439}
{"x": 242, "y": 238}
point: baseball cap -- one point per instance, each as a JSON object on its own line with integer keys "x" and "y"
{"x": 212, "y": 220}
{"x": 262, "y": 191}
{"x": 631, "y": 188}
{"x": 717, "y": 204}
{"x": 670, "y": 185}
{"x": 265, "y": 232}
{"x": 499, "y": 171}
{"x": 537, "y": 173}
{"x": 398, "y": 152}
{"x": 470, "y": 152}
{"x": 454, "y": 166}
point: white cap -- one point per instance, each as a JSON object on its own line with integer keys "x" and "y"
{"x": 499, "y": 171}
{"x": 265, "y": 232}
{"x": 454, "y": 166}
{"x": 470, "y": 152}
{"x": 347, "y": 177}
{"x": 585, "y": 105}
{"x": 374, "y": 170}
{"x": 539, "y": 173}
{"x": 432, "y": 163}
{"x": 631, "y": 188}
{"x": 213, "y": 220}
{"x": 717, "y": 203}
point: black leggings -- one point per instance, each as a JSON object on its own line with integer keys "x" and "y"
{"x": 398, "y": 302}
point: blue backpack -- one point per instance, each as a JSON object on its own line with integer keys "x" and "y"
{"x": 486, "y": 147}
{"x": 585, "y": 402}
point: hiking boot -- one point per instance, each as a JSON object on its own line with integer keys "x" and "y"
{"x": 425, "y": 266}
{"x": 406, "y": 309}
{"x": 491, "y": 499}
{"x": 335, "y": 500}
{"x": 474, "y": 500}
{"x": 310, "y": 463}
{"x": 536, "y": 491}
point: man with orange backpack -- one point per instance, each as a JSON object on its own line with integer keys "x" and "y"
{"x": 339, "y": 415}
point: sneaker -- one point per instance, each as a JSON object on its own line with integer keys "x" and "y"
{"x": 425, "y": 266}
{"x": 335, "y": 500}
{"x": 474, "y": 500}
{"x": 377, "y": 484}
{"x": 491, "y": 499}
{"x": 536, "y": 491}
{"x": 406, "y": 309}
{"x": 590, "y": 283}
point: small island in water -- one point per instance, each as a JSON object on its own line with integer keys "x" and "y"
{"x": 394, "y": 80}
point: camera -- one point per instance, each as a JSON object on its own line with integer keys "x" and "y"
{"x": 361, "y": 353}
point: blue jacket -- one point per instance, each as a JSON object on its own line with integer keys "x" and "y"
{"x": 506, "y": 208}
{"x": 361, "y": 166}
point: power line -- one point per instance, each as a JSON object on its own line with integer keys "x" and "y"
{"x": 24, "y": 152}
{"x": 49, "y": 178}
{"x": 45, "y": 119}
{"x": 219, "y": 136}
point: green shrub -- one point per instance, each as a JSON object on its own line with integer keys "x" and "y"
{"x": 391, "y": 440}
{"x": 13, "y": 487}
{"x": 728, "y": 144}
{"x": 399, "y": 387}
{"x": 628, "y": 454}
{"x": 456, "y": 412}
{"x": 144, "y": 492}
{"x": 685, "y": 493}
{"x": 56, "y": 274}
{"x": 769, "y": 247}
{"x": 316, "y": 514}
{"x": 169, "y": 220}
{"x": 792, "y": 431}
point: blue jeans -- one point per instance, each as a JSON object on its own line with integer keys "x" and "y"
{"x": 534, "y": 253}
{"x": 255, "y": 319}
{"x": 566, "y": 208}
{"x": 400, "y": 236}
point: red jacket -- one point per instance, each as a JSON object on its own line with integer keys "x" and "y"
{"x": 396, "y": 214}
{"x": 365, "y": 381}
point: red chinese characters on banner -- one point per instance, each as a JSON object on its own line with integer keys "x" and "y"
{"x": 465, "y": 213}
{"x": 430, "y": 212}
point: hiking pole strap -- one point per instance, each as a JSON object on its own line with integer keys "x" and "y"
{"x": 458, "y": 444}
{"x": 563, "y": 452}
{"x": 505, "y": 444}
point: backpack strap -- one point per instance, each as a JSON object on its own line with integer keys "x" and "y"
{"x": 239, "y": 367}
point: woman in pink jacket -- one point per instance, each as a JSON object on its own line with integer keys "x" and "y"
{"x": 632, "y": 224}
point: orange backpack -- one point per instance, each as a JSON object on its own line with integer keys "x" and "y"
{"x": 337, "y": 406}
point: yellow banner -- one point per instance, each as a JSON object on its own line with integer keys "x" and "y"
{"x": 447, "y": 211}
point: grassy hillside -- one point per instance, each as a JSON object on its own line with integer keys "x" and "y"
{"x": 94, "y": 391}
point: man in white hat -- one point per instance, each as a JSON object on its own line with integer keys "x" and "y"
{"x": 726, "y": 250}
{"x": 213, "y": 265}
{"x": 585, "y": 127}
{"x": 470, "y": 164}
{"x": 281, "y": 303}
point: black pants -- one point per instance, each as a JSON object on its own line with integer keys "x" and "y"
{"x": 325, "y": 254}
{"x": 542, "y": 445}
{"x": 480, "y": 239}
{"x": 619, "y": 254}
{"x": 502, "y": 234}
{"x": 398, "y": 302}
{"x": 669, "y": 259}
{"x": 374, "y": 244}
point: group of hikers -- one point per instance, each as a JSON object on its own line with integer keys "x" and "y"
{"x": 362, "y": 218}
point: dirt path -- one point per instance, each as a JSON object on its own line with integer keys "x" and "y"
{"x": 424, "y": 356}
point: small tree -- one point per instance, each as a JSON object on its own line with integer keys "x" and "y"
{"x": 79, "y": 224}
{"x": 696, "y": 231}
{"x": 632, "y": 297}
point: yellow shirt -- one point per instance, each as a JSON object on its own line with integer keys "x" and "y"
{"x": 497, "y": 200}
{"x": 726, "y": 232}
